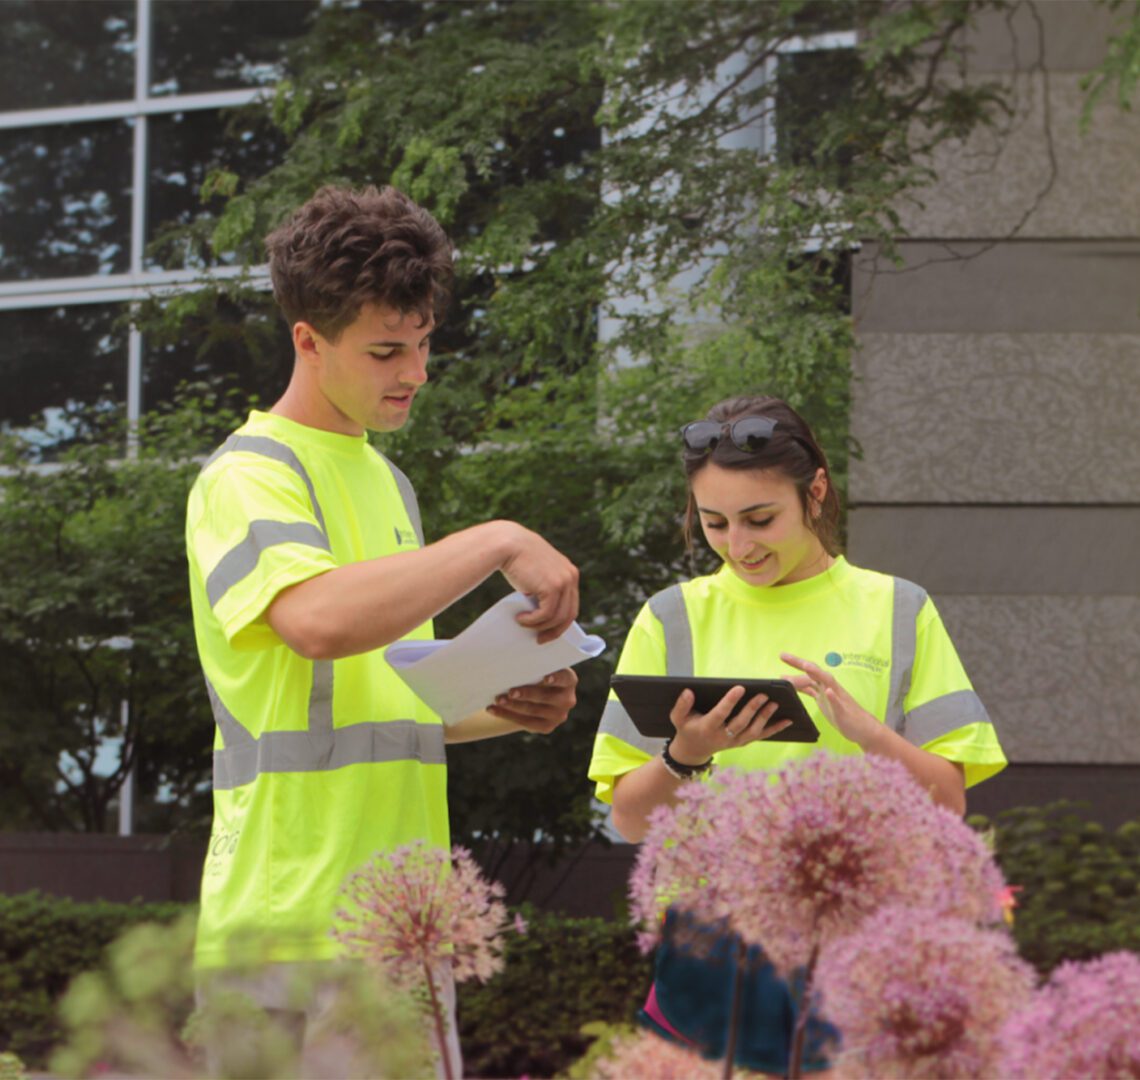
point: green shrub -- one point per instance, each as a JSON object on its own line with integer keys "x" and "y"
{"x": 561, "y": 975}
{"x": 1080, "y": 883}
{"x": 44, "y": 942}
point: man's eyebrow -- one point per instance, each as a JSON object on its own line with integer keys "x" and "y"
{"x": 746, "y": 510}
{"x": 390, "y": 344}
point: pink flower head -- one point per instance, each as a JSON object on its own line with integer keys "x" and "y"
{"x": 795, "y": 860}
{"x": 1085, "y": 1021}
{"x": 419, "y": 906}
{"x": 520, "y": 924}
{"x": 917, "y": 993}
{"x": 649, "y": 1057}
{"x": 1007, "y": 901}
{"x": 683, "y": 842}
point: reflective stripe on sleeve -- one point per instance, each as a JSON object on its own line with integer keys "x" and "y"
{"x": 241, "y": 560}
{"x": 908, "y": 601}
{"x": 669, "y": 607}
{"x": 277, "y": 451}
{"x": 939, "y": 717}
{"x": 615, "y": 721}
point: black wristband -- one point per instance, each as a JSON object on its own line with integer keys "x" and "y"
{"x": 679, "y": 769}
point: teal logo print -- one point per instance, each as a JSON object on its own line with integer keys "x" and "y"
{"x": 833, "y": 659}
{"x": 404, "y": 536}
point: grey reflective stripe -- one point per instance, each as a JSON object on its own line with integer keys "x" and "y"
{"x": 669, "y": 607}
{"x": 616, "y": 722}
{"x": 298, "y": 751}
{"x": 243, "y": 757}
{"x": 408, "y": 494}
{"x": 908, "y": 602}
{"x": 939, "y": 717}
{"x": 278, "y": 451}
{"x": 233, "y": 733}
{"x": 241, "y": 560}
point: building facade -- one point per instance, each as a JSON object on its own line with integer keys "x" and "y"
{"x": 997, "y": 404}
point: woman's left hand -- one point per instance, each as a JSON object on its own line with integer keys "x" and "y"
{"x": 839, "y": 708}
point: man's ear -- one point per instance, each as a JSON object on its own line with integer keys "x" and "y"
{"x": 307, "y": 343}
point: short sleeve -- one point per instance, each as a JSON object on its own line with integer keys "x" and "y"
{"x": 251, "y": 531}
{"x": 619, "y": 747}
{"x": 943, "y": 713}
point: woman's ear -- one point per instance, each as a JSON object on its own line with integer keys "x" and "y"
{"x": 817, "y": 492}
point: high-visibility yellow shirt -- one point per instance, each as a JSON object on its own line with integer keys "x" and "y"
{"x": 320, "y": 764}
{"x": 879, "y": 635}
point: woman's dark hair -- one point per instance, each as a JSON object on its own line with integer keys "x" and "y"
{"x": 343, "y": 249}
{"x": 791, "y": 450}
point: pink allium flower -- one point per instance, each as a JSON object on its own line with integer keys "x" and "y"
{"x": 418, "y": 907}
{"x": 673, "y": 865}
{"x": 520, "y": 925}
{"x": 795, "y": 860}
{"x": 917, "y": 993}
{"x": 1085, "y": 1021}
{"x": 646, "y": 1056}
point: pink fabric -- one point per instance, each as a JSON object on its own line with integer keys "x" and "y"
{"x": 653, "y": 1011}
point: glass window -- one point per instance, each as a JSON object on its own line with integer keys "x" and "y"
{"x": 184, "y": 147}
{"x": 241, "y": 346}
{"x": 223, "y": 44}
{"x": 54, "y": 361}
{"x": 67, "y": 52}
{"x": 65, "y": 200}
{"x": 811, "y": 85}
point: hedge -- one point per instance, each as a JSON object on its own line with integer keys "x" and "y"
{"x": 44, "y": 942}
{"x": 1079, "y": 882}
{"x": 1080, "y": 897}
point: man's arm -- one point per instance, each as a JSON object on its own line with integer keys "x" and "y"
{"x": 367, "y": 605}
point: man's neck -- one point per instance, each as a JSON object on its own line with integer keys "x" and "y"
{"x": 308, "y": 406}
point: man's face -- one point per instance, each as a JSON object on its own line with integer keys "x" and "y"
{"x": 371, "y": 373}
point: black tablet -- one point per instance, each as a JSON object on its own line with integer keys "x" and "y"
{"x": 650, "y": 698}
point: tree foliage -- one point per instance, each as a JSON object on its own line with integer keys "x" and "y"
{"x": 94, "y": 613}
{"x": 654, "y": 206}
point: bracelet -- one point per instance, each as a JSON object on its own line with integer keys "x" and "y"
{"x": 679, "y": 769}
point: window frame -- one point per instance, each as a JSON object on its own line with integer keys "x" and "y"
{"x": 138, "y": 283}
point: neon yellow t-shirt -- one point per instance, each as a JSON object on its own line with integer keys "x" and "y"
{"x": 318, "y": 765}
{"x": 880, "y": 636}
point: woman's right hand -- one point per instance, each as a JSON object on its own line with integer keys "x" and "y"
{"x": 700, "y": 735}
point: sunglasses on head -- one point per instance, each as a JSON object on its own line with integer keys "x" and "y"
{"x": 749, "y": 434}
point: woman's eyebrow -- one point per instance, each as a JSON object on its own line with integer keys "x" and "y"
{"x": 746, "y": 510}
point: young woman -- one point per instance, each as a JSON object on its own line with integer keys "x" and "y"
{"x": 868, "y": 650}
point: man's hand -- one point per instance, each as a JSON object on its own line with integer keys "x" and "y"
{"x": 545, "y": 574}
{"x": 539, "y": 708}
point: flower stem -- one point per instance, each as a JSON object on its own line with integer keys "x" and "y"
{"x": 795, "y": 1069}
{"x": 440, "y": 1024}
{"x": 734, "y": 1010}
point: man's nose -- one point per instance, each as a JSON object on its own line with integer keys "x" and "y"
{"x": 415, "y": 372}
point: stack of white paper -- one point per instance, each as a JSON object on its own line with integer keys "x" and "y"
{"x": 465, "y": 674}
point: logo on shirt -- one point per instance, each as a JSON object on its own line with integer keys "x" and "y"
{"x": 875, "y": 664}
{"x": 404, "y": 536}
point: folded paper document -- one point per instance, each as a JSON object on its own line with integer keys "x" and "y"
{"x": 465, "y": 674}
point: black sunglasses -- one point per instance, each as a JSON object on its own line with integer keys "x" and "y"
{"x": 749, "y": 434}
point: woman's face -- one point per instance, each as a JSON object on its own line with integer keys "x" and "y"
{"x": 753, "y": 519}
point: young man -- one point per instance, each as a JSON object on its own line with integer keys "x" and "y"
{"x": 306, "y": 559}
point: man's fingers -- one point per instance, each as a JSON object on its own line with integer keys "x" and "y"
{"x": 554, "y": 614}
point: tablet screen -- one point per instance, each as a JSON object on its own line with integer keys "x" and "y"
{"x": 650, "y": 698}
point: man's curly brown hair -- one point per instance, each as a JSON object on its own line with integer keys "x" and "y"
{"x": 343, "y": 249}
